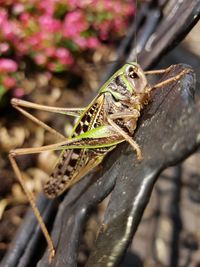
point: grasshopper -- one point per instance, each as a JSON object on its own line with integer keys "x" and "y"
{"x": 111, "y": 118}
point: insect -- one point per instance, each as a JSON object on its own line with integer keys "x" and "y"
{"x": 110, "y": 119}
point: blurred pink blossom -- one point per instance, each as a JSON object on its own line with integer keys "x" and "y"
{"x": 9, "y": 82}
{"x": 81, "y": 3}
{"x": 117, "y": 7}
{"x": 35, "y": 41}
{"x": 48, "y": 23}
{"x": 92, "y": 42}
{"x": 67, "y": 61}
{"x": 119, "y": 25}
{"x": 47, "y": 7}
{"x": 53, "y": 33}
{"x": 4, "y": 47}
{"x": 50, "y": 51}
{"x": 3, "y": 16}
{"x": 7, "y": 65}
{"x": 18, "y": 8}
{"x": 22, "y": 48}
{"x": 40, "y": 58}
{"x": 74, "y": 23}
{"x": 48, "y": 75}
{"x": 25, "y": 17}
{"x": 129, "y": 10}
{"x": 105, "y": 28}
{"x": 81, "y": 42}
{"x": 7, "y": 30}
{"x": 61, "y": 52}
{"x": 18, "y": 92}
{"x": 64, "y": 56}
{"x": 51, "y": 66}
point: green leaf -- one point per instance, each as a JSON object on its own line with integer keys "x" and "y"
{"x": 104, "y": 16}
{"x": 60, "y": 11}
{"x": 59, "y": 67}
{"x": 2, "y": 91}
{"x": 72, "y": 46}
{"x": 87, "y": 33}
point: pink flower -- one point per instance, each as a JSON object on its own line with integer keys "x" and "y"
{"x": 7, "y": 30}
{"x": 18, "y": 92}
{"x": 105, "y": 28}
{"x": 50, "y": 51}
{"x": 25, "y": 17}
{"x": 7, "y": 65}
{"x": 48, "y": 23}
{"x": 81, "y": 42}
{"x": 74, "y": 23}
{"x": 4, "y": 47}
{"x": 61, "y": 52}
{"x": 18, "y": 8}
{"x": 129, "y": 10}
{"x": 67, "y": 60}
{"x": 22, "y": 48}
{"x": 9, "y": 82}
{"x": 48, "y": 75}
{"x": 108, "y": 4}
{"x": 47, "y": 7}
{"x": 64, "y": 56}
{"x": 35, "y": 41}
{"x": 81, "y": 4}
{"x": 42, "y": 29}
{"x": 40, "y": 59}
{"x": 3, "y": 16}
{"x": 51, "y": 66}
{"x": 119, "y": 25}
{"x": 116, "y": 6}
{"x": 92, "y": 42}
{"x": 73, "y": 3}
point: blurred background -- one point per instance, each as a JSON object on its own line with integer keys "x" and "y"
{"x": 55, "y": 52}
{"x": 52, "y": 52}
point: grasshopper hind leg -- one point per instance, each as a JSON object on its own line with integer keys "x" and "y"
{"x": 31, "y": 200}
{"x": 64, "y": 178}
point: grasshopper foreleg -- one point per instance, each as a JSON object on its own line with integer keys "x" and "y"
{"x": 126, "y": 114}
{"x": 134, "y": 145}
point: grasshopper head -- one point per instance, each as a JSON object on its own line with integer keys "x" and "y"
{"x": 134, "y": 78}
{"x": 127, "y": 82}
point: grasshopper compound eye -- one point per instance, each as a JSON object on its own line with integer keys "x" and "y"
{"x": 136, "y": 78}
{"x": 132, "y": 72}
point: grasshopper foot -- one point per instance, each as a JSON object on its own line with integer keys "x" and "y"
{"x": 139, "y": 154}
{"x": 52, "y": 253}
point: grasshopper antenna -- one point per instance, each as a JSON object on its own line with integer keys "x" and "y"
{"x": 135, "y": 31}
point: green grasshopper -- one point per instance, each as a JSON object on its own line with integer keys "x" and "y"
{"x": 110, "y": 119}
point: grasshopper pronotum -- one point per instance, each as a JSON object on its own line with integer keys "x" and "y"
{"x": 111, "y": 118}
